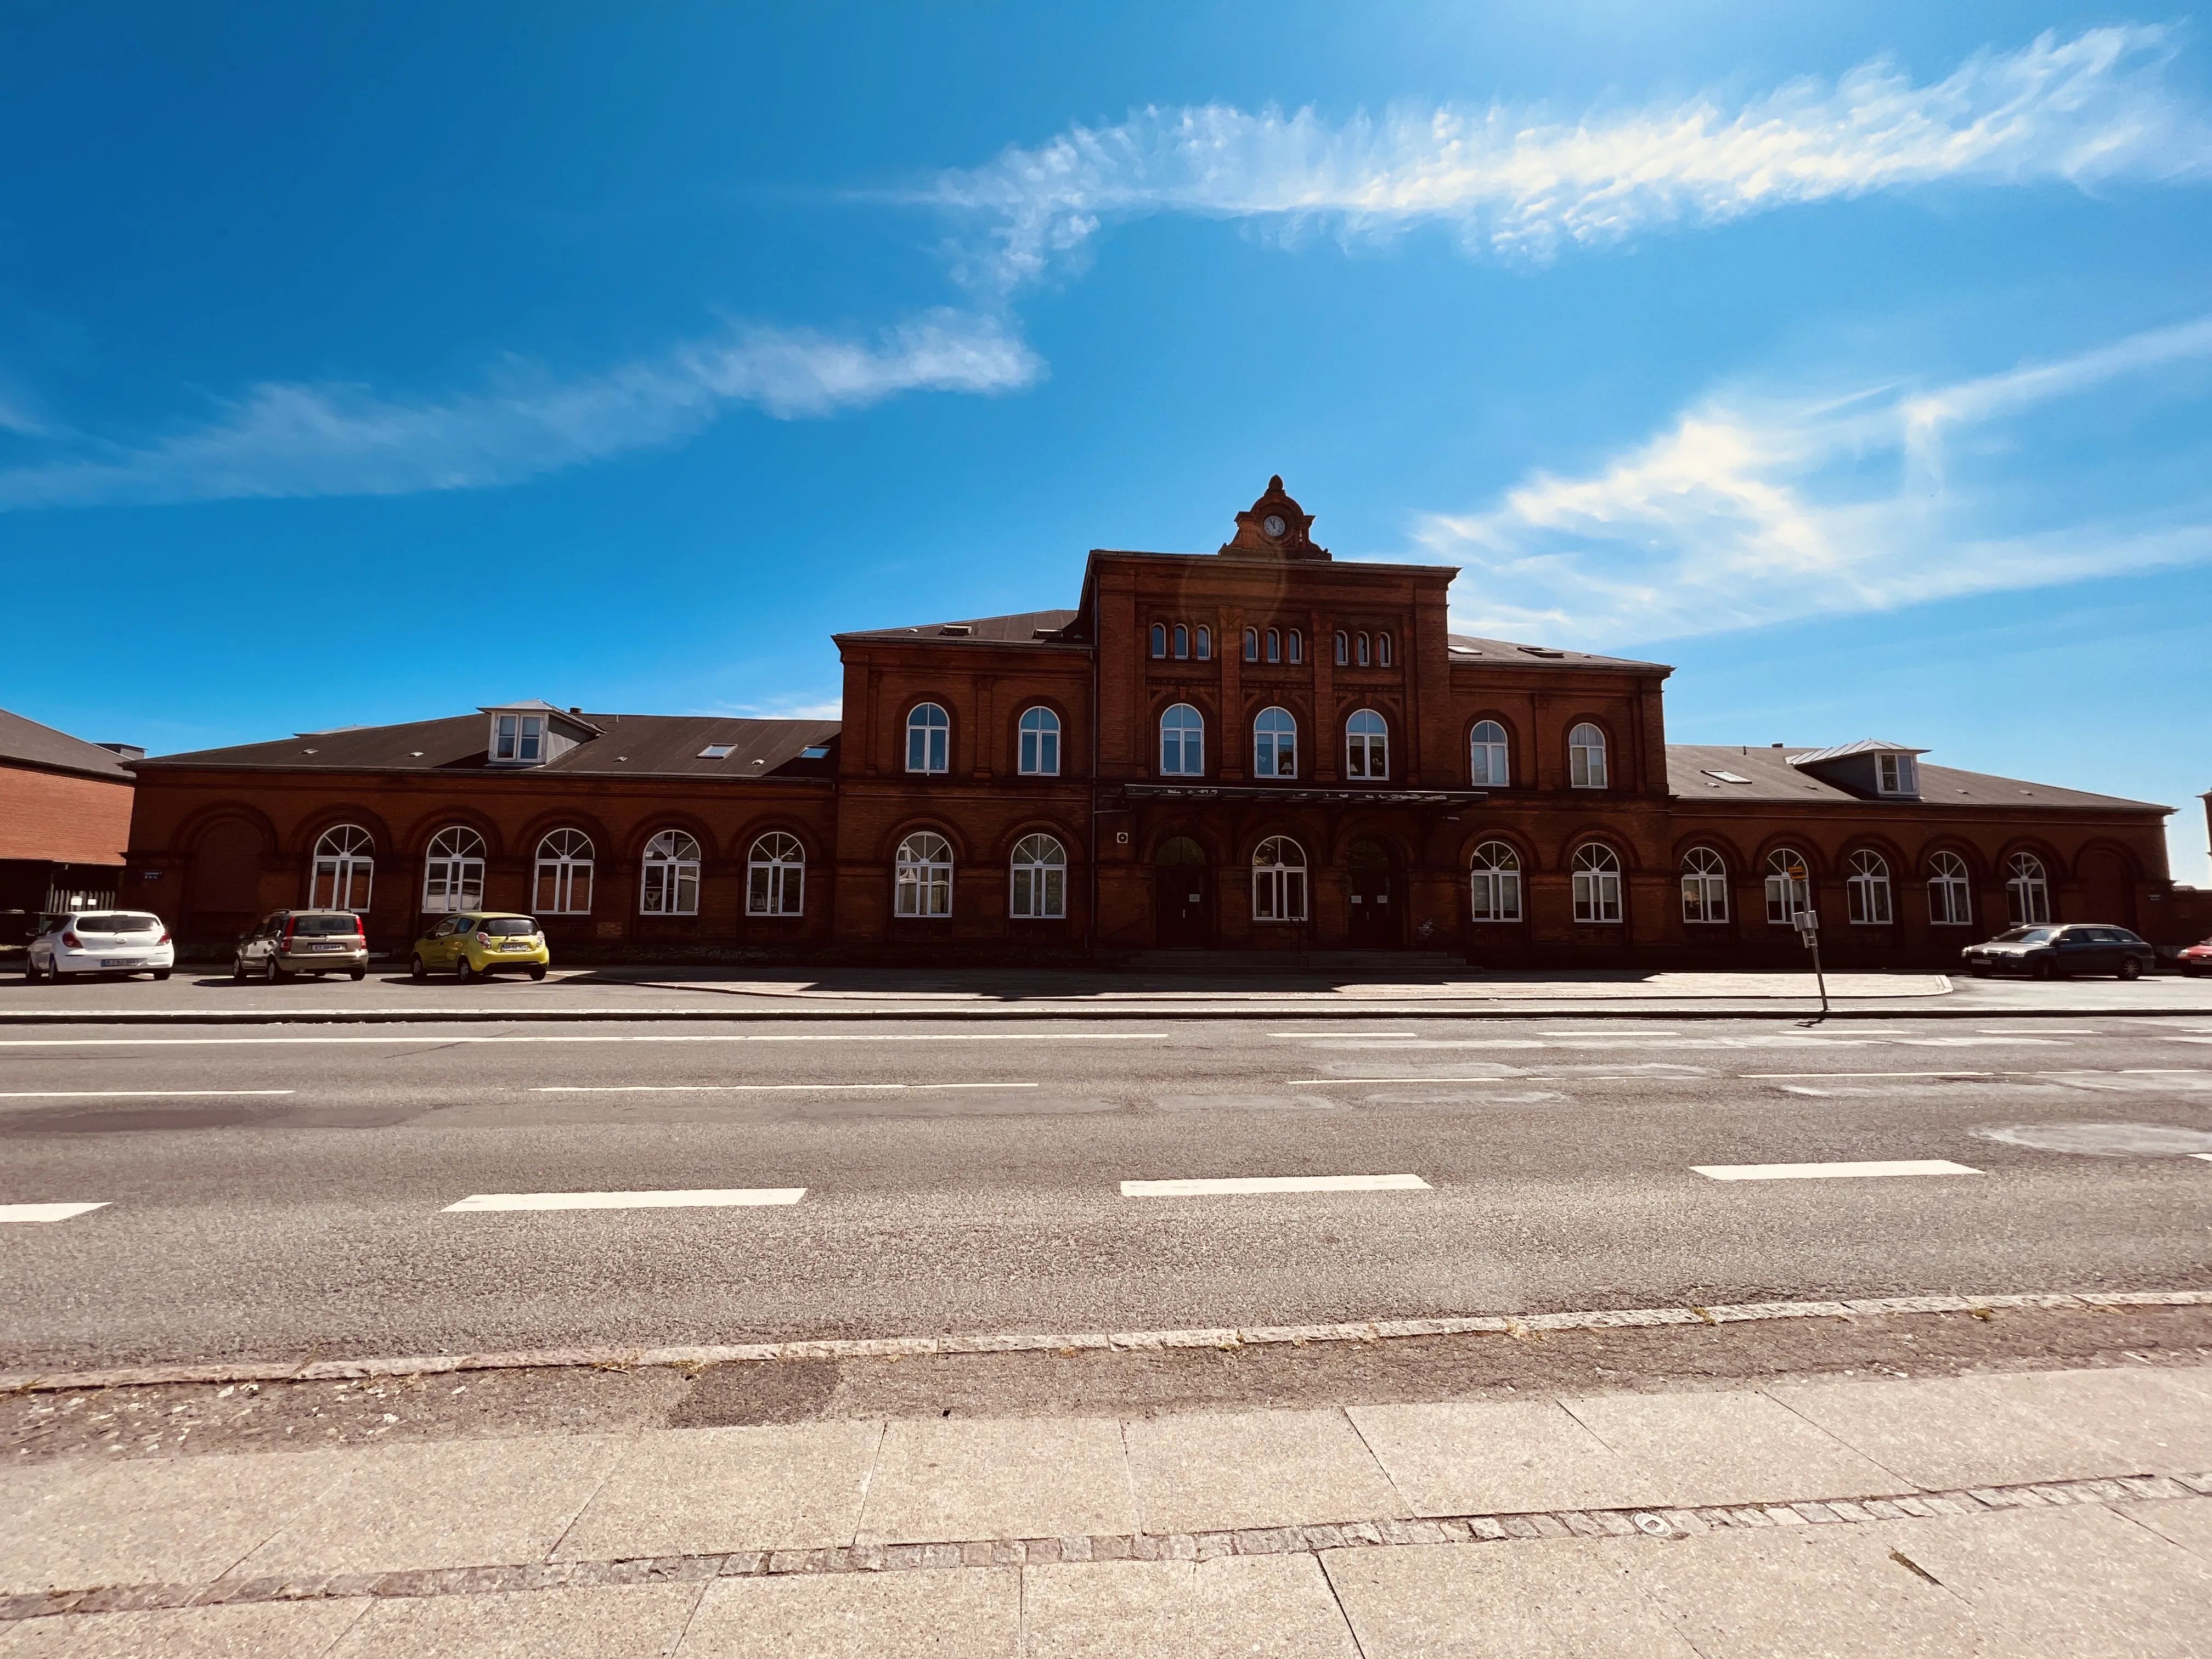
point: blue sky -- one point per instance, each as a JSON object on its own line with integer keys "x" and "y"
{"x": 374, "y": 362}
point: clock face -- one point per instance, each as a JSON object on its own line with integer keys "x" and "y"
{"x": 1273, "y": 525}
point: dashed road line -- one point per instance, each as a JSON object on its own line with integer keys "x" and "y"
{"x": 1910, "y": 1166}
{"x": 695, "y": 1197}
{"x": 670, "y": 1037}
{"x": 1240, "y": 1185}
{"x": 137, "y": 1094}
{"x": 1815, "y": 1077}
{"x": 761, "y": 1088}
{"x": 47, "y": 1211}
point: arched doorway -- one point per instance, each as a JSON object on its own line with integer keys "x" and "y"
{"x": 1374, "y": 906}
{"x": 1179, "y": 896}
{"x": 2106, "y": 888}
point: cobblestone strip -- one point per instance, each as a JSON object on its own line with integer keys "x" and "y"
{"x": 1380, "y": 1330}
{"x": 1660, "y": 1524}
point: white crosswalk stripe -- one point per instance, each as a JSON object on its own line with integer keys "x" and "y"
{"x": 694, "y": 1198}
{"x": 1246, "y": 1184}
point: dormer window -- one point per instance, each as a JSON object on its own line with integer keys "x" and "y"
{"x": 1894, "y": 776}
{"x": 518, "y": 739}
{"x": 717, "y": 751}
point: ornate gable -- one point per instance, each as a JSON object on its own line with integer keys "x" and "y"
{"x": 1274, "y": 530}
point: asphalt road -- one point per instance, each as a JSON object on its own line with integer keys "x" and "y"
{"x": 274, "y": 1190}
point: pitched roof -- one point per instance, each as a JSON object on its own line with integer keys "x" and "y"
{"x": 27, "y": 743}
{"x": 1863, "y": 746}
{"x": 631, "y": 745}
{"x": 1023, "y": 627}
{"x": 1774, "y": 778}
{"x": 1469, "y": 649}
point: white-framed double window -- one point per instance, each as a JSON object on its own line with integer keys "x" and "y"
{"x": 922, "y": 876}
{"x": 1039, "y": 743}
{"x": 1704, "y": 885}
{"x": 2027, "y": 890}
{"x": 1496, "y": 874}
{"x": 1367, "y": 746}
{"x": 518, "y": 737}
{"x": 1597, "y": 882}
{"x": 1182, "y": 742}
{"x": 453, "y": 872}
{"x": 1896, "y": 775}
{"x": 1866, "y": 890}
{"x": 1789, "y": 886}
{"x": 343, "y": 869}
{"x": 928, "y": 739}
{"x": 1586, "y": 758}
{"x": 563, "y": 886}
{"x": 1486, "y": 762}
{"x": 1275, "y": 744}
{"x": 776, "y": 876}
{"x": 669, "y": 886}
{"x": 1278, "y": 880}
{"x": 1950, "y": 891}
{"x": 1037, "y": 875}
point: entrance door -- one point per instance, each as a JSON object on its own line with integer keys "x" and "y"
{"x": 1374, "y": 906}
{"x": 1179, "y": 896}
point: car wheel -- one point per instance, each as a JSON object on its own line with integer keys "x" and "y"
{"x": 31, "y": 971}
{"x": 274, "y": 973}
{"x": 238, "y": 969}
{"x": 538, "y": 972}
{"x": 2045, "y": 969}
{"x": 160, "y": 973}
{"x": 415, "y": 970}
{"x": 463, "y": 969}
{"x": 2132, "y": 968}
{"x": 358, "y": 974}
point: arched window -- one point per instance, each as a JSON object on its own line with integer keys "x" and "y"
{"x": 1275, "y": 744}
{"x": 452, "y": 871}
{"x": 2027, "y": 890}
{"x": 923, "y": 886}
{"x": 1381, "y": 650}
{"x": 1366, "y": 746}
{"x": 1274, "y": 644}
{"x": 1363, "y": 648}
{"x": 1182, "y": 641}
{"x": 1586, "y": 758}
{"x": 1789, "y": 886}
{"x": 1251, "y": 645}
{"x": 344, "y": 869}
{"x": 1486, "y": 756}
{"x": 564, "y": 874}
{"x": 1866, "y": 889}
{"x": 1598, "y": 884}
{"x": 1496, "y": 872}
{"x": 1278, "y": 880}
{"x": 1159, "y": 639}
{"x": 1182, "y": 742}
{"x": 1039, "y": 878}
{"x": 1205, "y": 643}
{"x": 1040, "y": 734}
{"x": 671, "y": 886}
{"x": 1298, "y": 647}
{"x": 928, "y": 739}
{"x": 1704, "y": 886}
{"x": 1950, "y": 894}
{"x": 1343, "y": 649}
{"x": 775, "y": 876}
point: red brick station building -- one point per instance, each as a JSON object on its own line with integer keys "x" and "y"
{"x": 1257, "y": 749}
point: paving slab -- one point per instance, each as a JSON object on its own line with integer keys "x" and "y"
{"x": 1563, "y": 1599}
{"x": 1267, "y": 1606}
{"x": 941, "y": 1481}
{"x": 263, "y": 1630}
{"x": 1736, "y": 1447}
{"x": 1947, "y": 1432}
{"x": 1506, "y": 1458}
{"x": 2078, "y": 1582}
{"x": 449, "y": 1503}
{"x": 1205, "y": 1471}
{"x": 627, "y": 1621}
{"x": 2187, "y": 1523}
{"x": 972, "y": 1613}
{"x": 1831, "y": 1591}
{"x": 70, "y": 1525}
{"x": 681, "y": 1491}
{"x": 2154, "y": 1419}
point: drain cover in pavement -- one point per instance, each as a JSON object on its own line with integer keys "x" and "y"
{"x": 2102, "y": 1139}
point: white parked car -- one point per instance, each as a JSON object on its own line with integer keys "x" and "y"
{"x": 100, "y": 942}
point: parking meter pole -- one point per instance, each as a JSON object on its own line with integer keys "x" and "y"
{"x": 1808, "y": 929}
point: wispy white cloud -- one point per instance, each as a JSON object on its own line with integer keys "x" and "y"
{"x": 285, "y": 440}
{"x": 786, "y": 709}
{"x": 1757, "y": 507}
{"x": 2084, "y": 110}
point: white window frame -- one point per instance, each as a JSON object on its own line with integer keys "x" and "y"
{"x": 1381, "y": 650}
{"x": 1363, "y": 649}
{"x": 453, "y": 872}
{"x": 1867, "y": 890}
{"x": 1597, "y": 884}
{"x": 342, "y": 868}
{"x": 1787, "y": 897}
{"x": 1895, "y": 774}
{"x": 934, "y": 738}
{"x": 1159, "y": 642}
{"x": 2027, "y": 890}
{"x": 1489, "y": 760}
{"x": 1274, "y": 644}
{"x": 518, "y": 739}
{"x": 668, "y": 879}
{"x": 1275, "y": 743}
{"x": 1279, "y": 881}
{"x": 1181, "y": 635}
{"x": 1202, "y": 643}
{"x": 1182, "y": 742}
{"x": 1343, "y": 649}
{"x": 1586, "y": 764}
{"x": 1251, "y": 645}
{"x": 1495, "y": 874}
{"x": 1038, "y": 880}
{"x": 562, "y": 868}
{"x": 1704, "y": 887}
{"x": 921, "y": 877}
{"x": 1294, "y": 647}
{"x": 776, "y": 875}
{"x": 1950, "y": 891}
{"x": 1366, "y": 746}
{"x": 1038, "y": 744}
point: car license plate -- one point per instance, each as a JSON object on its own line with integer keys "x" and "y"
{"x": 120, "y": 962}
{"x": 326, "y": 947}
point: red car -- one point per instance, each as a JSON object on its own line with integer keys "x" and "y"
{"x": 2197, "y": 959}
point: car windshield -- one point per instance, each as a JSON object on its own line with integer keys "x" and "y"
{"x": 303, "y": 926}
{"x": 501, "y": 926}
{"x": 118, "y": 924}
{"x": 2025, "y": 936}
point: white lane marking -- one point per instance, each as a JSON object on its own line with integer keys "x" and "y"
{"x": 697, "y": 1198}
{"x": 2207, "y": 1157}
{"x": 1241, "y": 1184}
{"x": 444, "y": 1041}
{"x": 1815, "y": 1077}
{"x": 1347, "y": 1034}
{"x": 2054, "y": 1031}
{"x": 1908, "y": 1166}
{"x": 755, "y": 1088}
{"x": 1608, "y": 1076}
{"x": 47, "y": 1211}
{"x": 136, "y": 1094}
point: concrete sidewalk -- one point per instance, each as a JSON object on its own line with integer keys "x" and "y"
{"x": 2057, "y": 1513}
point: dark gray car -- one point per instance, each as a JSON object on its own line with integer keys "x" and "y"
{"x": 2061, "y": 951}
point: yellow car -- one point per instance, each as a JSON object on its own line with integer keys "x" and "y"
{"x": 479, "y": 943}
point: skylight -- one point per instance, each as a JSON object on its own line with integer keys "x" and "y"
{"x": 817, "y": 751}
{"x": 717, "y": 751}
{"x": 1726, "y": 777}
